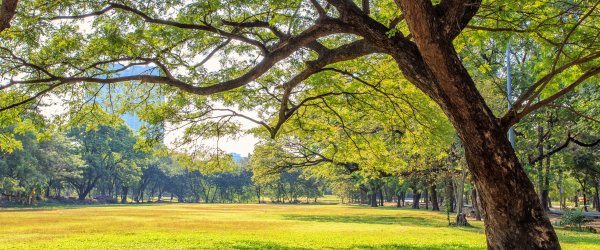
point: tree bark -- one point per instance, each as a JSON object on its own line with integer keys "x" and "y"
{"x": 515, "y": 218}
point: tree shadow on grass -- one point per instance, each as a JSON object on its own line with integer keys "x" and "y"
{"x": 404, "y": 246}
{"x": 249, "y": 245}
{"x": 368, "y": 219}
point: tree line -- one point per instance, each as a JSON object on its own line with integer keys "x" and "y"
{"x": 103, "y": 163}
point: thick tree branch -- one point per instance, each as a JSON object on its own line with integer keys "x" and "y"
{"x": 562, "y": 146}
{"x": 564, "y": 42}
{"x": 319, "y": 8}
{"x": 8, "y": 9}
{"x": 342, "y": 53}
{"x": 322, "y": 28}
{"x": 455, "y": 15}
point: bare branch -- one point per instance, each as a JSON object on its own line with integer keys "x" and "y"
{"x": 342, "y": 53}
{"x": 564, "y": 42}
{"x": 562, "y": 146}
{"x": 537, "y": 87}
{"x": 203, "y": 27}
{"x": 27, "y": 100}
{"x": 530, "y": 108}
{"x": 576, "y": 112}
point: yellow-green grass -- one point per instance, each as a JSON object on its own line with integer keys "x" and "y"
{"x": 244, "y": 226}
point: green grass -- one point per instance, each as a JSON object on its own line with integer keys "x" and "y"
{"x": 239, "y": 226}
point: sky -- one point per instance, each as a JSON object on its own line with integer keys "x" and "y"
{"x": 242, "y": 145}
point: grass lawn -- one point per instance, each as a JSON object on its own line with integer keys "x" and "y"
{"x": 245, "y": 226}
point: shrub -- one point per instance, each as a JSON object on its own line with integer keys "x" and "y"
{"x": 574, "y": 219}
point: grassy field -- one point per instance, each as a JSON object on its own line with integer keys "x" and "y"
{"x": 202, "y": 226}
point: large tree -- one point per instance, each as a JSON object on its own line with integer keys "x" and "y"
{"x": 108, "y": 150}
{"x": 276, "y": 48}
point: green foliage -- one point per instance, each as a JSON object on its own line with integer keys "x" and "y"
{"x": 573, "y": 218}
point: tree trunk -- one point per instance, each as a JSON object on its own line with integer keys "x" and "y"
{"x": 434, "y": 199}
{"x": 398, "y": 201}
{"x": 381, "y": 197}
{"x": 449, "y": 195}
{"x": 546, "y": 189}
{"x": 597, "y": 198}
{"x": 124, "y": 191}
{"x": 416, "y": 198}
{"x": 460, "y": 188}
{"x": 514, "y": 218}
{"x": 461, "y": 220}
{"x": 373, "y": 198}
{"x": 362, "y": 196}
{"x": 47, "y": 195}
{"x": 258, "y": 193}
{"x": 426, "y": 197}
{"x": 475, "y": 204}
{"x": 540, "y": 167}
{"x": 559, "y": 185}
{"x": 584, "y": 202}
{"x": 83, "y": 192}
{"x": 81, "y": 196}
{"x": 8, "y": 9}
{"x": 403, "y": 195}
{"x": 160, "y": 193}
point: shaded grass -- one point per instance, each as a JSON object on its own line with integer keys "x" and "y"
{"x": 243, "y": 226}
{"x": 367, "y": 219}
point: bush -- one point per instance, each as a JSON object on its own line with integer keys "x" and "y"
{"x": 574, "y": 219}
